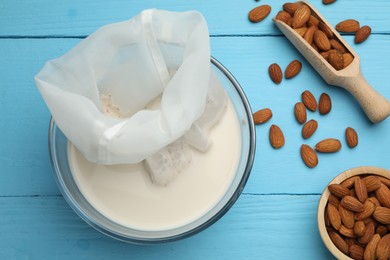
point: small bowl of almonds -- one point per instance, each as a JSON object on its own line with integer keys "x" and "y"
{"x": 354, "y": 214}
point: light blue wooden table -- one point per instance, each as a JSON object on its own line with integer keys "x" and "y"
{"x": 275, "y": 217}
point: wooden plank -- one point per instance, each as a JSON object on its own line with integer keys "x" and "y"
{"x": 257, "y": 227}
{"x": 72, "y": 17}
{"x": 24, "y": 158}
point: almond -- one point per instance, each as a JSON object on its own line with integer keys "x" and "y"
{"x": 351, "y": 137}
{"x": 352, "y": 204}
{"x": 339, "y": 242}
{"x": 337, "y": 45}
{"x": 291, "y": 7}
{"x": 300, "y": 112}
{"x": 333, "y": 216}
{"x": 309, "y": 156}
{"x": 314, "y": 46}
{"x": 348, "y": 58}
{"x": 362, "y": 34}
{"x": 350, "y": 182}
{"x": 382, "y": 215}
{"x": 327, "y": 2}
{"x": 372, "y": 183}
{"x": 275, "y": 72}
{"x": 385, "y": 181}
{"x": 359, "y": 228}
{"x": 361, "y": 190}
{"x": 262, "y": 116}
{"x": 356, "y": 252}
{"x": 332, "y": 199}
{"x": 323, "y": 27}
{"x": 330, "y": 145}
{"x": 383, "y": 248}
{"x": 325, "y": 104}
{"x": 309, "y": 36}
{"x": 336, "y": 59}
{"x": 301, "y": 31}
{"x": 347, "y": 217}
{"x": 375, "y": 201}
{"x": 369, "y": 208}
{"x": 383, "y": 195}
{"x": 276, "y": 137}
{"x": 347, "y": 232}
{"x": 338, "y": 190}
{"x": 259, "y": 13}
{"x": 370, "y": 250}
{"x": 368, "y": 233}
{"x": 301, "y": 16}
{"x": 293, "y": 69}
{"x": 283, "y": 16}
{"x": 348, "y": 26}
{"x": 381, "y": 230}
{"x": 313, "y": 21}
{"x": 309, "y": 100}
{"x": 309, "y": 128}
{"x": 322, "y": 41}
{"x": 325, "y": 55}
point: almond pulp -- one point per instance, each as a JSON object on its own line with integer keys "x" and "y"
{"x": 275, "y": 73}
{"x": 309, "y": 156}
{"x": 330, "y": 145}
{"x": 325, "y": 104}
{"x": 348, "y": 26}
{"x": 383, "y": 195}
{"x": 322, "y": 41}
{"x": 300, "y": 112}
{"x": 362, "y": 34}
{"x": 262, "y": 116}
{"x": 309, "y": 100}
{"x": 259, "y": 13}
{"x": 351, "y": 137}
{"x": 309, "y": 128}
{"x": 276, "y": 137}
{"x": 301, "y": 16}
{"x": 293, "y": 69}
{"x": 352, "y": 204}
{"x": 383, "y": 248}
{"x": 382, "y": 215}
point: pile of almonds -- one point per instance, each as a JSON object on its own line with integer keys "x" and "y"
{"x": 357, "y": 216}
{"x": 316, "y": 33}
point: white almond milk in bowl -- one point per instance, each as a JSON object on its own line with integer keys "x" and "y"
{"x": 121, "y": 200}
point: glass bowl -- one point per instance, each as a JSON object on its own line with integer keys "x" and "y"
{"x": 58, "y": 145}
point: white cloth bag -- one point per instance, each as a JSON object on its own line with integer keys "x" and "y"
{"x": 155, "y": 54}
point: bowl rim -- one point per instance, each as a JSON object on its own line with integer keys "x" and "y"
{"x": 363, "y": 170}
{"x": 222, "y": 211}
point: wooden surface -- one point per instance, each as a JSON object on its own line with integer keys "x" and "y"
{"x": 275, "y": 218}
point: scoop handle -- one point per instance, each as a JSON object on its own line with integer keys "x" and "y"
{"x": 376, "y": 107}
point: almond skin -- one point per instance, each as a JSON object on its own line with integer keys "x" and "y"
{"x": 372, "y": 183}
{"x": 275, "y": 73}
{"x": 322, "y": 41}
{"x": 383, "y": 248}
{"x": 359, "y": 228}
{"x": 352, "y": 204}
{"x": 362, "y": 34}
{"x": 262, "y": 116}
{"x": 283, "y": 16}
{"x": 336, "y": 59}
{"x": 293, "y": 69}
{"x": 337, "y": 46}
{"x": 361, "y": 190}
{"x": 300, "y": 112}
{"x": 301, "y": 31}
{"x": 291, "y": 7}
{"x": 348, "y": 59}
{"x": 356, "y": 252}
{"x": 368, "y": 233}
{"x": 383, "y": 195}
{"x": 339, "y": 242}
{"x": 327, "y": 2}
{"x": 330, "y": 145}
{"x": 385, "y": 181}
{"x": 309, "y": 128}
{"x": 349, "y": 183}
{"x": 347, "y": 232}
{"x": 369, "y": 208}
{"x": 309, "y": 156}
{"x": 325, "y": 104}
{"x": 338, "y": 190}
{"x": 276, "y": 137}
{"x": 370, "y": 250}
{"x": 312, "y": 21}
{"x": 347, "y": 217}
{"x": 348, "y": 26}
{"x": 309, "y": 100}
{"x": 333, "y": 216}
{"x": 351, "y": 137}
{"x": 323, "y": 27}
{"x": 301, "y": 16}
{"x": 259, "y": 13}
{"x": 382, "y": 215}
{"x": 309, "y": 35}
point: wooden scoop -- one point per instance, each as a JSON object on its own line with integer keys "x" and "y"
{"x": 376, "y": 107}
